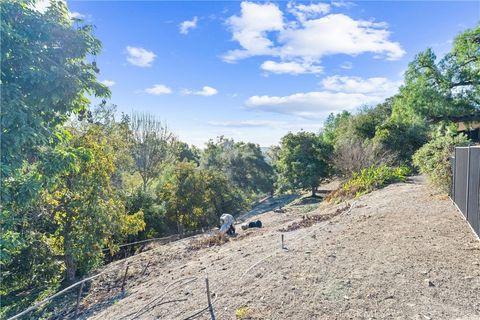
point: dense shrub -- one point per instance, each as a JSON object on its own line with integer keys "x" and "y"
{"x": 370, "y": 179}
{"x": 433, "y": 159}
{"x": 401, "y": 139}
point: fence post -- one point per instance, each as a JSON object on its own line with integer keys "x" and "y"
{"x": 79, "y": 295}
{"x": 210, "y": 307}
{"x": 454, "y": 178}
{"x": 125, "y": 279}
{"x": 468, "y": 183}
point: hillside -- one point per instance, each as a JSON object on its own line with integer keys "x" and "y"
{"x": 397, "y": 253}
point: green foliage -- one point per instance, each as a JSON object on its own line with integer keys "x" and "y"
{"x": 196, "y": 197}
{"x": 243, "y": 163}
{"x": 333, "y": 126}
{"x": 433, "y": 159}
{"x": 401, "y": 139}
{"x": 45, "y": 75}
{"x": 303, "y": 161}
{"x": 447, "y": 89}
{"x": 370, "y": 179}
{"x": 154, "y": 213}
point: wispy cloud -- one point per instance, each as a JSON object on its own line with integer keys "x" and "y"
{"x": 290, "y": 67}
{"x": 158, "y": 89}
{"x": 140, "y": 57}
{"x": 338, "y": 93}
{"x": 379, "y": 86}
{"x": 206, "y": 92}
{"x": 108, "y": 83}
{"x": 188, "y": 25}
{"x": 346, "y": 65}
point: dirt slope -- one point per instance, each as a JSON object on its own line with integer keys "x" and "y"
{"x": 398, "y": 253}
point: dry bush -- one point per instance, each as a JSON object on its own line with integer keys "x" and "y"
{"x": 353, "y": 155}
{"x": 208, "y": 241}
{"x": 308, "y": 221}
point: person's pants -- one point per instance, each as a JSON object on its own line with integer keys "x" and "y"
{"x": 231, "y": 231}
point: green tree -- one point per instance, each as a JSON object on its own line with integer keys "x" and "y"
{"x": 448, "y": 89}
{"x": 45, "y": 76}
{"x": 87, "y": 213}
{"x": 243, "y": 163}
{"x": 303, "y": 160}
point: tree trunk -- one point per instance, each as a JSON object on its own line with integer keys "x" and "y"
{"x": 71, "y": 267}
{"x": 69, "y": 259}
{"x": 314, "y": 191}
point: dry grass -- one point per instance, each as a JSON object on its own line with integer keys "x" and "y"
{"x": 208, "y": 241}
{"x": 308, "y": 221}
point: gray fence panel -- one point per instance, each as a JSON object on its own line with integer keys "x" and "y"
{"x": 461, "y": 176}
{"x": 473, "y": 209}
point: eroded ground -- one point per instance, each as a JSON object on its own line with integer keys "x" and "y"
{"x": 398, "y": 253}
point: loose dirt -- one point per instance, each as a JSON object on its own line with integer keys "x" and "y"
{"x": 402, "y": 252}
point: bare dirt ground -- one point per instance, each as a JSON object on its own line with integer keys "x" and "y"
{"x": 402, "y": 252}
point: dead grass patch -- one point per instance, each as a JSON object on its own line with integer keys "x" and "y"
{"x": 308, "y": 221}
{"x": 208, "y": 241}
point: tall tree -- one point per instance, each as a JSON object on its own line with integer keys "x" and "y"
{"x": 87, "y": 212}
{"x": 152, "y": 144}
{"x": 448, "y": 89}
{"x": 48, "y": 68}
{"x": 303, "y": 160}
{"x": 243, "y": 163}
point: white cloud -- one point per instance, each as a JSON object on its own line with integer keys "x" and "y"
{"x": 76, "y": 15}
{"x": 343, "y": 4}
{"x": 339, "y": 93}
{"x": 206, "y": 92}
{"x": 376, "y": 85}
{"x": 250, "y": 30}
{"x": 315, "y": 104}
{"x": 140, "y": 57}
{"x": 108, "y": 83}
{"x": 338, "y": 34}
{"x": 290, "y": 67}
{"x": 303, "y": 12}
{"x": 262, "y": 30}
{"x": 158, "y": 89}
{"x": 187, "y": 25}
{"x": 346, "y": 65}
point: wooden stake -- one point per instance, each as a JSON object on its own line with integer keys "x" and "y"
{"x": 283, "y": 246}
{"x": 79, "y": 295}
{"x": 146, "y": 267}
{"x": 210, "y": 307}
{"x": 124, "y": 279}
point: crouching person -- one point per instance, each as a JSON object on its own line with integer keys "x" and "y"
{"x": 226, "y": 224}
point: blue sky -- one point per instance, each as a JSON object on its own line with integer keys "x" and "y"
{"x": 255, "y": 70}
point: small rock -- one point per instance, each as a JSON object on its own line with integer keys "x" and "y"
{"x": 429, "y": 283}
